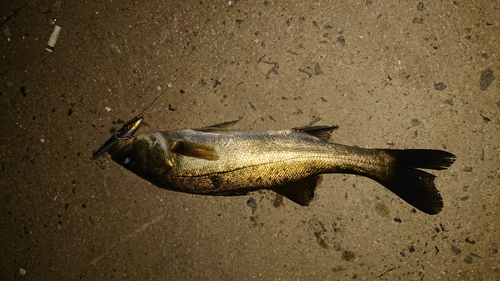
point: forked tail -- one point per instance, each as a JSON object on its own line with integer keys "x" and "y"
{"x": 415, "y": 186}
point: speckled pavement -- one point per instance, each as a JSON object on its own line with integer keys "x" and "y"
{"x": 404, "y": 74}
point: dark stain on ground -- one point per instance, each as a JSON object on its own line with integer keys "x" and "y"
{"x": 338, "y": 269}
{"x": 253, "y": 219}
{"x": 252, "y": 203}
{"x": 321, "y": 239}
{"x": 319, "y": 232}
{"x": 278, "y": 200}
{"x": 382, "y": 210}
{"x": 348, "y": 255}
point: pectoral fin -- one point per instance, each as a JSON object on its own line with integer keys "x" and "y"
{"x": 193, "y": 149}
{"x": 301, "y": 192}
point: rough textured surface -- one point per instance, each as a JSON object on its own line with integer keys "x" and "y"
{"x": 403, "y": 75}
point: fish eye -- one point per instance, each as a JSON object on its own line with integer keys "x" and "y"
{"x": 128, "y": 161}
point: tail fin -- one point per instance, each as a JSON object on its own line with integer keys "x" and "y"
{"x": 415, "y": 186}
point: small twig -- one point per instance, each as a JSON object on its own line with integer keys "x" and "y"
{"x": 389, "y": 270}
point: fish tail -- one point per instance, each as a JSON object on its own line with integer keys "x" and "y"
{"x": 405, "y": 179}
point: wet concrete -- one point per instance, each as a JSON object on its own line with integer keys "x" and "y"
{"x": 401, "y": 75}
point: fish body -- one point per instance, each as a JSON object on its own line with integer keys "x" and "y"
{"x": 214, "y": 160}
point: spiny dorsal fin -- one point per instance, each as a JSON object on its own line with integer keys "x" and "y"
{"x": 301, "y": 192}
{"x": 193, "y": 149}
{"x": 321, "y": 132}
{"x": 222, "y": 127}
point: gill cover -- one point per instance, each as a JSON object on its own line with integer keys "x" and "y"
{"x": 145, "y": 155}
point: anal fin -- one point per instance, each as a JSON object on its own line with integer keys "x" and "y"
{"x": 300, "y": 192}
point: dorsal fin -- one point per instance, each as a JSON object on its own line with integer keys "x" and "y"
{"x": 222, "y": 127}
{"x": 301, "y": 192}
{"x": 193, "y": 149}
{"x": 321, "y": 132}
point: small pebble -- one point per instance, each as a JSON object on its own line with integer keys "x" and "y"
{"x": 470, "y": 241}
{"x": 449, "y": 102}
{"x": 317, "y": 69}
{"x": 107, "y": 109}
{"x": 418, "y": 20}
{"x": 9, "y": 84}
{"x": 6, "y": 32}
{"x": 487, "y": 78}
{"x": 22, "y": 271}
{"x": 316, "y": 226}
{"x": 455, "y": 249}
{"x": 468, "y": 259}
{"x": 341, "y": 40}
{"x": 439, "y": 86}
{"x": 420, "y": 6}
{"x": 298, "y": 112}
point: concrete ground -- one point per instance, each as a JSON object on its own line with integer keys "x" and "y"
{"x": 401, "y": 74}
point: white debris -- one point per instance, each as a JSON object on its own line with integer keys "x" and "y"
{"x": 107, "y": 109}
{"x": 42, "y": 140}
{"x": 53, "y": 39}
{"x": 169, "y": 85}
{"x": 22, "y": 271}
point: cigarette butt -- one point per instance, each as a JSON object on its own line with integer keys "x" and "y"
{"x": 53, "y": 39}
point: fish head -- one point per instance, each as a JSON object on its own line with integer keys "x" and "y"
{"x": 145, "y": 155}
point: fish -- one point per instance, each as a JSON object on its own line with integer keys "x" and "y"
{"x": 216, "y": 160}
{"x": 127, "y": 130}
